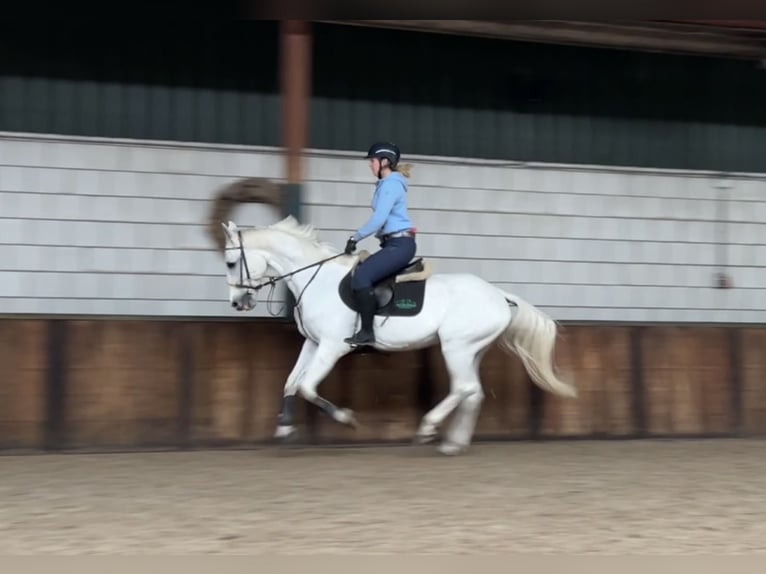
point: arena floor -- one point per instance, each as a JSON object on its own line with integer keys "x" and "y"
{"x": 664, "y": 497}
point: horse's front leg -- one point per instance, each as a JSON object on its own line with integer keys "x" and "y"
{"x": 286, "y": 419}
{"x": 320, "y": 365}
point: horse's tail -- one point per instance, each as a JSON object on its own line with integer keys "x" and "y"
{"x": 531, "y": 335}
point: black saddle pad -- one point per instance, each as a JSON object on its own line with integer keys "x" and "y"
{"x": 394, "y": 299}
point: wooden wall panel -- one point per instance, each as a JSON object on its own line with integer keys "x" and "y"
{"x": 754, "y": 380}
{"x": 239, "y": 372}
{"x": 597, "y": 360}
{"x": 141, "y": 383}
{"x": 505, "y": 410}
{"x": 381, "y": 389}
{"x": 687, "y": 375}
{"x": 221, "y": 379}
{"x": 23, "y": 371}
{"x": 122, "y": 383}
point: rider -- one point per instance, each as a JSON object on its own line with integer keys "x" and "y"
{"x": 392, "y": 227}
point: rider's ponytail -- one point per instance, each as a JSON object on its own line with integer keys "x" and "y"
{"x": 405, "y": 169}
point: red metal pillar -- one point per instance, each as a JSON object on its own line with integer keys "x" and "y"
{"x": 295, "y": 79}
{"x": 295, "y": 76}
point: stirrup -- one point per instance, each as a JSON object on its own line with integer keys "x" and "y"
{"x": 360, "y": 339}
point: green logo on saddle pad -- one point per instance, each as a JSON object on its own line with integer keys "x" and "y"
{"x": 405, "y": 304}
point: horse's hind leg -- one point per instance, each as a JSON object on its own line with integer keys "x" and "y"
{"x": 433, "y": 418}
{"x": 465, "y": 394}
{"x": 460, "y": 430}
{"x": 463, "y": 376}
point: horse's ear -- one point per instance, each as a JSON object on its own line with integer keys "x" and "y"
{"x": 229, "y": 229}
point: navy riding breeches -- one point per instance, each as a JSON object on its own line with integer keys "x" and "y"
{"x": 393, "y": 256}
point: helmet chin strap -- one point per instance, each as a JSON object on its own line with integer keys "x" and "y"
{"x": 380, "y": 167}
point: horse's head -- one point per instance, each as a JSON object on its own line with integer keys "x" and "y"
{"x": 244, "y": 269}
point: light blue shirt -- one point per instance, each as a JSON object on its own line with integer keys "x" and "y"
{"x": 389, "y": 208}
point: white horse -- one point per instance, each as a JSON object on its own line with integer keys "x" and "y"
{"x": 462, "y": 312}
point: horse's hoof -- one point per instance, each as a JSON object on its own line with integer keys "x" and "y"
{"x": 423, "y": 437}
{"x": 285, "y": 433}
{"x": 450, "y": 449}
{"x": 347, "y": 417}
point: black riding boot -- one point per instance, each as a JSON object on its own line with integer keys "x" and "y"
{"x": 365, "y": 300}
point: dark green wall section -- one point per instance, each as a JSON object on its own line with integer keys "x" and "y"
{"x": 433, "y": 94}
{"x": 188, "y": 82}
{"x": 459, "y": 96}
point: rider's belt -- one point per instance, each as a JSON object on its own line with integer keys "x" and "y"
{"x": 405, "y": 233}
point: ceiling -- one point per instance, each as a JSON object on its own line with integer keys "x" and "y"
{"x": 727, "y": 38}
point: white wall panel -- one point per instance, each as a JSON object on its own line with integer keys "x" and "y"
{"x": 94, "y": 227}
{"x": 91, "y": 226}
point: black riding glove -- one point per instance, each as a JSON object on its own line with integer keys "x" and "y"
{"x": 350, "y": 246}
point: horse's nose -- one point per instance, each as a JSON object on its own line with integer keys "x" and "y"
{"x": 234, "y": 304}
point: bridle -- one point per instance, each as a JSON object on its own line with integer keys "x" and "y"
{"x": 273, "y": 280}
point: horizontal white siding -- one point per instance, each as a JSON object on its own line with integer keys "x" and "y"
{"x": 102, "y": 227}
{"x": 88, "y": 227}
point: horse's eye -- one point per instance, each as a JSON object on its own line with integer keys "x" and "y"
{"x": 230, "y": 265}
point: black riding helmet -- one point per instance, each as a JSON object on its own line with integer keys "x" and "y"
{"x": 387, "y": 150}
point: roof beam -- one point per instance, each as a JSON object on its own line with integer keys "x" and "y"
{"x": 643, "y": 36}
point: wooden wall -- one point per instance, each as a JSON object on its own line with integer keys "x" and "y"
{"x": 95, "y": 384}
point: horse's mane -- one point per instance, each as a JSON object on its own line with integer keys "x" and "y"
{"x": 302, "y": 231}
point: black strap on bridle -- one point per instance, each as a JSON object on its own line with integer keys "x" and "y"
{"x": 272, "y": 281}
